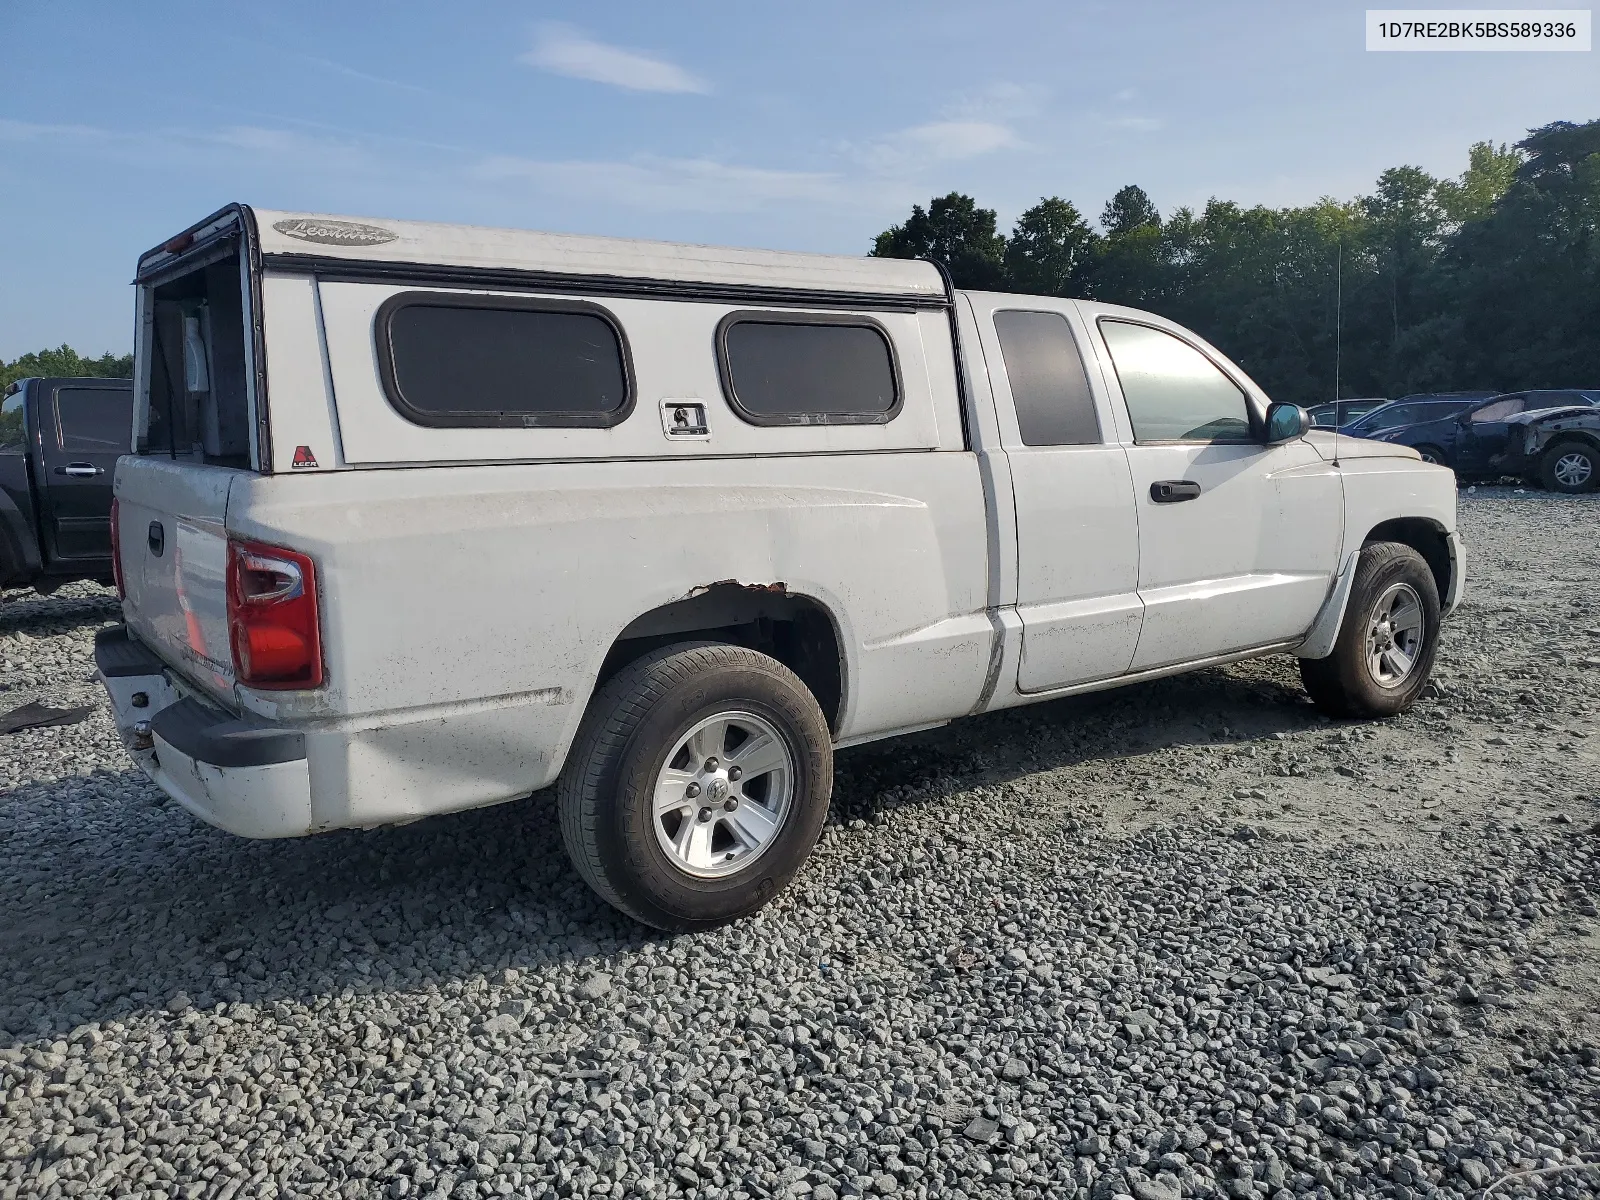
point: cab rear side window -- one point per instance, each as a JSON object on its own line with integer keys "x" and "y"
{"x": 1048, "y": 384}
{"x": 13, "y": 430}
{"x": 805, "y": 369}
{"x": 502, "y": 361}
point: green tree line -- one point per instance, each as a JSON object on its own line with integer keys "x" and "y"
{"x": 1489, "y": 280}
{"x": 65, "y": 363}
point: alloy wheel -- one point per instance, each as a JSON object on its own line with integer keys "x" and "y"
{"x": 1394, "y": 635}
{"x": 723, "y": 794}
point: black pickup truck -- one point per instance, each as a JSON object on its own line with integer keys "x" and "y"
{"x": 59, "y": 443}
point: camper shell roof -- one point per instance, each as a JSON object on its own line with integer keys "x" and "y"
{"x": 472, "y": 255}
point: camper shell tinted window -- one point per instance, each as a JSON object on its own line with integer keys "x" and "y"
{"x": 454, "y": 360}
{"x": 804, "y": 369}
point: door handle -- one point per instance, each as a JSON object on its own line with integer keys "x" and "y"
{"x": 1174, "y": 491}
{"x": 81, "y": 470}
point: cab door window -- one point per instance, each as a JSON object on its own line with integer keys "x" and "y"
{"x": 94, "y": 420}
{"x": 1174, "y": 393}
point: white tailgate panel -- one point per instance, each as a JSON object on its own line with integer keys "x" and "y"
{"x": 177, "y": 598}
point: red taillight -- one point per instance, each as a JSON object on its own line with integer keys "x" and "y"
{"x": 116, "y": 552}
{"x": 272, "y": 617}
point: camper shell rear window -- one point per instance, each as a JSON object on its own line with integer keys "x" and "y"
{"x": 503, "y": 361}
{"x": 198, "y": 367}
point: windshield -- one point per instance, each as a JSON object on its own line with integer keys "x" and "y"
{"x": 1391, "y": 416}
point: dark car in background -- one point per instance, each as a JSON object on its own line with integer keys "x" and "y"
{"x": 1557, "y": 449}
{"x": 1398, "y": 413}
{"x": 59, "y": 444}
{"x": 1342, "y": 412}
{"x": 1473, "y": 440}
{"x": 1469, "y": 396}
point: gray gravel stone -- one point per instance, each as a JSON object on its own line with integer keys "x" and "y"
{"x": 1367, "y": 996}
{"x": 981, "y": 1129}
{"x": 1157, "y": 1189}
{"x": 1474, "y": 1172}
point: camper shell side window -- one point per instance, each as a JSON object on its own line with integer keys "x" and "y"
{"x": 455, "y": 360}
{"x": 788, "y": 368}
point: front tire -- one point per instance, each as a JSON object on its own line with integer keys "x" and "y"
{"x": 1387, "y": 643}
{"x": 1432, "y": 454}
{"x": 1570, "y": 467}
{"x": 697, "y": 786}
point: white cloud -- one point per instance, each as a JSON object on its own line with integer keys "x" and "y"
{"x": 339, "y": 68}
{"x": 28, "y": 131}
{"x": 910, "y": 150}
{"x": 702, "y": 184}
{"x": 1139, "y": 124}
{"x": 882, "y": 175}
{"x": 286, "y": 148}
{"x": 943, "y": 140}
{"x": 654, "y": 182}
{"x": 234, "y": 145}
{"x": 257, "y": 140}
{"x": 563, "y": 50}
{"x": 1000, "y": 102}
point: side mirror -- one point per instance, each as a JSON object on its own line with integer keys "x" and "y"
{"x": 1285, "y": 422}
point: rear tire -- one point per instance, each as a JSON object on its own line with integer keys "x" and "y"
{"x": 1570, "y": 467}
{"x": 1387, "y": 643}
{"x": 657, "y": 814}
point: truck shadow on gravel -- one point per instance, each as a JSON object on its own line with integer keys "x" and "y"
{"x": 1246, "y": 702}
{"x": 72, "y": 609}
{"x": 113, "y": 900}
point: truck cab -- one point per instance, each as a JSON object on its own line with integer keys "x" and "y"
{"x": 59, "y": 444}
{"x": 1155, "y": 522}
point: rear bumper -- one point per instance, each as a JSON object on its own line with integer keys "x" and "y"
{"x": 241, "y": 774}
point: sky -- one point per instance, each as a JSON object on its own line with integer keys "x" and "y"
{"x": 794, "y": 126}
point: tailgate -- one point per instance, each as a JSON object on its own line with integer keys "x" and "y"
{"x": 174, "y": 564}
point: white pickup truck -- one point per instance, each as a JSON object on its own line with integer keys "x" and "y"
{"x": 421, "y": 518}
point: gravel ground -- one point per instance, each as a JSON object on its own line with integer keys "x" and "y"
{"x": 1189, "y": 939}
